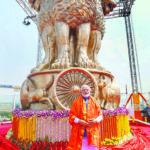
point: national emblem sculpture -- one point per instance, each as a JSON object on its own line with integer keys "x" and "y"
{"x": 71, "y": 33}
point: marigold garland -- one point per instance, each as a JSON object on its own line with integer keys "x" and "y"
{"x": 28, "y": 125}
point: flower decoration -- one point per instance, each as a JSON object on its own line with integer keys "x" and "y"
{"x": 119, "y": 111}
{"x": 61, "y": 114}
{"x": 40, "y": 113}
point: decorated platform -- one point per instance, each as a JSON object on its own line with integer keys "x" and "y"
{"x": 139, "y": 130}
{"x": 53, "y": 127}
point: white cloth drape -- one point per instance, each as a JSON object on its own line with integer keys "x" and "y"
{"x": 85, "y": 145}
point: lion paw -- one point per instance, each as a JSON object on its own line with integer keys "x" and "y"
{"x": 85, "y": 62}
{"x": 61, "y": 63}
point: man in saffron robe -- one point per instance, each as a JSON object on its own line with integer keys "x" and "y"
{"x": 85, "y": 116}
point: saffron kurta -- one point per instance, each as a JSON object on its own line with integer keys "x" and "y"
{"x": 78, "y": 110}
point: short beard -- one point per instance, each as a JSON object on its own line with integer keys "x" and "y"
{"x": 86, "y": 95}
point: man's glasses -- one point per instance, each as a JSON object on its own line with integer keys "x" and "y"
{"x": 85, "y": 90}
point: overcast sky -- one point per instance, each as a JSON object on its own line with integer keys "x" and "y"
{"x": 18, "y": 46}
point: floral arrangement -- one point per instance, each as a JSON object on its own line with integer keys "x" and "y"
{"x": 112, "y": 141}
{"x": 41, "y": 113}
{"x": 39, "y": 144}
{"x": 22, "y": 144}
{"x": 29, "y": 125}
{"x": 61, "y": 114}
{"x": 119, "y": 111}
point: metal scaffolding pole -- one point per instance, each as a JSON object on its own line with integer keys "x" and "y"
{"x": 131, "y": 53}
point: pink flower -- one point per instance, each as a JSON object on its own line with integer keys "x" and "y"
{"x": 45, "y": 144}
{"x": 36, "y": 143}
{"x": 66, "y": 143}
{"x": 50, "y": 144}
{"x": 32, "y": 147}
{"x": 37, "y": 147}
{"x": 40, "y": 143}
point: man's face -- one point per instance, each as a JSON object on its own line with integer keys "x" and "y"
{"x": 85, "y": 91}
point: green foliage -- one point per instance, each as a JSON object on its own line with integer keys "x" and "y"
{"x": 9, "y": 134}
{"x": 46, "y": 138}
{"x": 6, "y": 114}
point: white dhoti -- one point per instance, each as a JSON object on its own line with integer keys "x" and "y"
{"x": 85, "y": 145}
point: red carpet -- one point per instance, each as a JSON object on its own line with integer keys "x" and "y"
{"x": 7, "y": 144}
{"x": 4, "y": 129}
{"x": 140, "y": 140}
